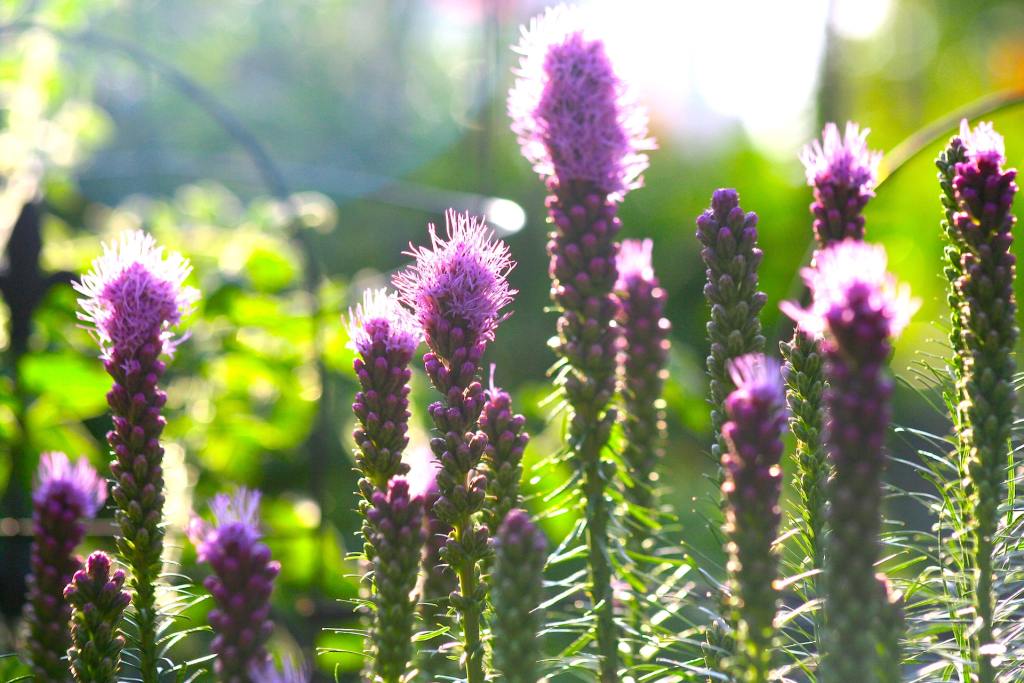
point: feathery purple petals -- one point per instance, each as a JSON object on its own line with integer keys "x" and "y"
{"x": 241, "y": 583}
{"x": 134, "y": 294}
{"x": 290, "y": 672}
{"x": 458, "y": 281}
{"x": 382, "y": 319}
{"x": 574, "y": 118}
{"x": 65, "y": 496}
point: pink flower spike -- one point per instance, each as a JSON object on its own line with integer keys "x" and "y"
{"x": 574, "y": 118}
{"x": 758, "y": 378}
{"x": 134, "y": 294}
{"x": 983, "y": 141}
{"x": 382, "y": 317}
{"x": 80, "y": 480}
{"x": 842, "y": 158}
{"x": 633, "y": 262}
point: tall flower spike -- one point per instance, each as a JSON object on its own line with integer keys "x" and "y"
{"x": 580, "y": 127}
{"x": 241, "y": 583}
{"x": 65, "y": 496}
{"x": 858, "y": 308}
{"x": 98, "y": 601}
{"x": 985, "y": 319}
{"x": 751, "y": 488}
{"x": 457, "y": 289}
{"x": 842, "y": 171}
{"x": 728, "y": 238}
{"x": 642, "y": 371}
{"x": 575, "y": 119}
{"x": 520, "y": 554}
{"x": 891, "y": 628}
{"x": 133, "y": 298}
{"x": 396, "y": 535}
{"x": 503, "y": 455}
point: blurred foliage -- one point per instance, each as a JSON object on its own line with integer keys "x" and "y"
{"x": 381, "y": 113}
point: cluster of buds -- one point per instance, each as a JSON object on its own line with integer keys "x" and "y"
{"x": 728, "y": 238}
{"x": 241, "y": 583}
{"x": 580, "y": 127}
{"x": 132, "y": 299}
{"x": 751, "y": 487}
{"x": 520, "y": 553}
{"x": 642, "y": 359}
{"x": 986, "y": 320}
{"x": 503, "y": 455}
{"x": 856, "y": 310}
{"x": 457, "y": 289}
{"x": 66, "y": 495}
{"x": 98, "y": 600}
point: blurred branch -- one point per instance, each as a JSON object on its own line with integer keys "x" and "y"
{"x": 909, "y": 148}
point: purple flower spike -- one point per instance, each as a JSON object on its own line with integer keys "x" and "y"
{"x": 65, "y": 496}
{"x": 458, "y": 286}
{"x": 503, "y": 456}
{"x": 290, "y": 672}
{"x": 574, "y": 118}
{"x": 98, "y": 600}
{"x": 756, "y": 412}
{"x": 133, "y": 298}
{"x": 642, "y": 358}
{"x": 859, "y": 308}
{"x": 381, "y": 323}
{"x": 842, "y": 171}
{"x": 985, "y": 324}
{"x": 241, "y": 583}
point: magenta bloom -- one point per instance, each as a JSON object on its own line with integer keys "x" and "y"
{"x": 574, "y": 118}
{"x": 458, "y": 283}
{"x": 65, "y": 496}
{"x": 842, "y": 171}
{"x": 241, "y": 583}
{"x": 382, "y": 320}
{"x": 852, "y": 274}
{"x": 134, "y": 295}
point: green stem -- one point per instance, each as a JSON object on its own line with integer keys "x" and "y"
{"x": 469, "y": 608}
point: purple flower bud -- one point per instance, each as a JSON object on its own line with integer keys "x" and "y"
{"x": 859, "y": 308}
{"x": 842, "y": 171}
{"x": 574, "y": 118}
{"x": 751, "y": 487}
{"x": 65, "y": 496}
{"x": 520, "y": 555}
{"x": 503, "y": 455}
{"x": 98, "y": 601}
{"x": 241, "y": 584}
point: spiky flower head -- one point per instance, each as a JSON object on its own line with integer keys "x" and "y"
{"x": 459, "y": 282}
{"x": 574, "y": 118}
{"x": 842, "y": 158}
{"x": 759, "y": 382}
{"x": 852, "y": 275}
{"x": 633, "y": 262}
{"x": 235, "y": 517}
{"x": 76, "y": 483}
{"x": 983, "y": 142}
{"x": 381, "y": 318}
{"x": 290, "y": 672}
{"x": 134, "y": 293}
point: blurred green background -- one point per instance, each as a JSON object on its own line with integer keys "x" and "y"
{"x": 293, "y": 149}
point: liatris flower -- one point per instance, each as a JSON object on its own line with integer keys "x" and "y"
{"x": 396, "y": 535}
{"x": 729, "y": 249}
{"x": 858, "y": 308}
{"x": 132, "y": 298}
{"x": 241, "y": 583}
{"x": 579, "y": 126}
{"x": 437, "y": 578}
{"x": 385, "y": 336}
{"x": 842, "y": 171}
{"x": 503, "y": 455}
{"x": 987, "y": 308}
{"x": 756, "y": 412}
{"x": 457, "y": 289}
{"x": 642, "y": 360}
{"x": 946, "y": 162}
{"x": 518, "y": 590}
{"x": 65, "y": 496}
{"x": 98, "y": 601}
{"x": 891, "y": 626}
{"x": 290, "y": 672}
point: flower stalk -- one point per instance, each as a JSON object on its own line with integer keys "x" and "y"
{"x": 98, "y": 601}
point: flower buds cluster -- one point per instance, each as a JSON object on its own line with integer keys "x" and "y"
{"x": 97, "y": 600}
